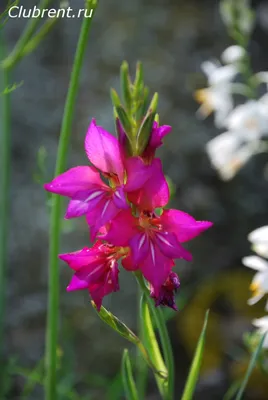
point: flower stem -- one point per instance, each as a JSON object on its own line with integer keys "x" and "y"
{"x": 163, "y": 333}
{"x": 55, "y": 218}
{"x": 27, "y": 34}
{"x": 5, "y": 156}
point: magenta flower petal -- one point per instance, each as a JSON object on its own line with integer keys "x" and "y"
{"x": 137, "y": 173}
{"x": 170, "y": 247}
{"x": 105, "y": 211}
{"x": 103, "y": 150}
{"x": 155, "y": 193}
{"x": 156, "y": 268}
{"x": 80, "y": 258}
{"x": 183, "y": 225}
{"x": 75, "y": 180}
{"x": 77, "y": 284}
{"x": 108, "y": 285}
{"x": 83, "y": 202}
{"x": 158, "y": 133}
{"x": 129, "y": 264}
{"x": 121, "y": 229}
{"x": 119, "y": 198}
{"x": 139, "y": 245}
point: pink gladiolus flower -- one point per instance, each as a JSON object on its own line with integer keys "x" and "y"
{"x": 154, "y": 241}
{"x": 96, "y": 269}
{"x": 166, "y": 293}
{"x": 89, "y": 194}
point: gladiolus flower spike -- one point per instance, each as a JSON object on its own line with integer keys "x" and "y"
{"x": 118, "y": 195}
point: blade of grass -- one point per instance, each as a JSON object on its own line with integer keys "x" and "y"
{"x": 250, "y": 368}
{"x": 127, "y": 377}
{"x": 5, "y": 156}
{"x": 55, "y": 217}
{"x": 196, "y": 364}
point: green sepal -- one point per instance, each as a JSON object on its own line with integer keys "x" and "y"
{"x": 126, "y": 144}
{"x": 142, "y": 104}
{"x": 127, "y": 378}
{"x": 126, "y": 85}
{"x": 125, "y": 121}
{"x": 154, "y": 103}
{"x": 144, "y": 133}
{"x": 115, "y": 98}
{"x": 139, "y": 81}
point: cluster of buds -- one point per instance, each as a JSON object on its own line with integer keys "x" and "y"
{"x": 122, "y": 195}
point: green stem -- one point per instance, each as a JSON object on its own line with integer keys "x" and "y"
{"x": 36, "y": 39}
{"x": 5, "y": 156}
{"x": 27, "y": 34}
{"x": 55, "y": 218}
{"x": 163, "y": 333}
{"x": 141, "y": 366}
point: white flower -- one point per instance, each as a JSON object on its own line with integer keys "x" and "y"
{"x": 233, "y": 54}
{"x": 227, "y": 154}
{"x": 259, "y": 239}
{"x": 262, "y": 325}
{"x": 259, "y": 284}
{"x": 218, "y": 74}
{"x": 217, "y": 97}
{"x": 249, "y": 120}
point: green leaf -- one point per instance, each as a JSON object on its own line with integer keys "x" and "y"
{"x": 253, "y": 361}
{"x": 126, "y": 333}
{"x": 160, "y": 324}
{"x": 196, "y": 364}
{"x": 116, "y": 324}
{"x": 127, "y": 376}
{"x": 152, "y": 347}
{"x": 126, "y": 85}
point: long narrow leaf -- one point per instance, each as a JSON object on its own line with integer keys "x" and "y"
{"x": 196, "y": 364}
{"x": 153, "y": 348}
{"x": 127, "y": 377}
{"x": 251, "y": 365}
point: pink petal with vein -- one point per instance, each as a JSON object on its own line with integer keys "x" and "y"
{"x": 103, "y": 150}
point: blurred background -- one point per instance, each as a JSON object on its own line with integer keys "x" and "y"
{"x": 171, "y": 38}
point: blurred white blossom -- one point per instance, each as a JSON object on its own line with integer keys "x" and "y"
{"x": 217, "y": 96}
{"x": 233, "y": 54}
{"x": 262, "y": 325}
{"x": 259, "y": 284}
{"x": 249, "y": 120}
{"x": 228, "y": 154}
{"x": 259, "y": 239}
